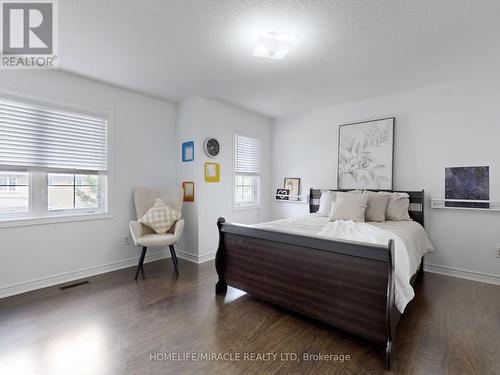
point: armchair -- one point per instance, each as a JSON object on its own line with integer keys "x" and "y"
{"x": 144, "y": 236}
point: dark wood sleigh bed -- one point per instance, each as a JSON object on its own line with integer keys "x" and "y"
{"x": 346, "y": 284}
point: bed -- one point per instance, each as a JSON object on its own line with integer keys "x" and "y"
{"x": 348, "y": 284}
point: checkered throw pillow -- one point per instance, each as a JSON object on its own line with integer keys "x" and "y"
{"x": 160, "y": 217}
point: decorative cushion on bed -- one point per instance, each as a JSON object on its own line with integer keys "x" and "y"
{"x": 377, "y": 207}
{"x": 325, "y": 203}
{"x": 160, "y": 217}
{"x": 397, "y": 207}
{"x": 349, "y": 206}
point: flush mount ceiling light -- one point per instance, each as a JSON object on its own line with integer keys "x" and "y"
{"x": 273, "y": 45}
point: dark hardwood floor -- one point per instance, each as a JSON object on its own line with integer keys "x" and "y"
{"x": 113, "y": 325}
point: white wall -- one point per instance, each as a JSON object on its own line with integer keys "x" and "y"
{"x": 187, "y": 125}
{"x": 453, "y": 125}
{"x": 200, "y": 118}
{"x": 143, "y": 139}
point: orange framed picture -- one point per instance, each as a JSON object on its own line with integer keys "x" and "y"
{"x": 188, "y": 187}
{"x": 212, "y": 172}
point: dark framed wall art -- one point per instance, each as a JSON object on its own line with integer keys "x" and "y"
{"x": 467, "y": 183}
{"x": 282, "y": 194}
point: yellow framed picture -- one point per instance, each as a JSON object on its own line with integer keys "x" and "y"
{"x": 212, "y": 172}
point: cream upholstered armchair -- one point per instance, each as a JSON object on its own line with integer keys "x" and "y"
{"x": 144, "y": 236}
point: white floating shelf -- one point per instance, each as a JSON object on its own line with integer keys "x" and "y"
{"x": 441, "y": 203}
{"x": 295, "y": 198}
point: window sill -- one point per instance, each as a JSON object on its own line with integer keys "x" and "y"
{"x": 66, "y": 218}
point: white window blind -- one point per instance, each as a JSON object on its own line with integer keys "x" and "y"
{"x": 36, "y": 136}
{"x": 247, "y": 155}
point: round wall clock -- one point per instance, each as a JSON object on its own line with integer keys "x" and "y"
{"x": 211, "y": 147}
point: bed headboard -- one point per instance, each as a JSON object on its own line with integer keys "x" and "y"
{"x": 416, "y": 209}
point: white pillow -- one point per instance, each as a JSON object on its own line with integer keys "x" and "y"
{"x": 397, "y": 207}
{"x": 349, "y": 206}
{"x": 325, "y": 202}
{"x": 377, "y": 207}
{"x": 160, "y": 217}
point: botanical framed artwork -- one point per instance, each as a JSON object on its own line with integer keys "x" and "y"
{"x": 366, "y": 155}
{"x": 188, "y": 187}
{"x": 282, "y": 194}
{"x": 212, "y": 172}
{"x": 188, "y": 151}
{"x": 467, "y": 183}
{"x": 292, "y": 184}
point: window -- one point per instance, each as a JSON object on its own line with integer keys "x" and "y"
{"x": 52, "y": 162}
{"x": 246, "y": 171}
{"x": 69, "y": 191}
{"x": 8, "y": 183}
{"x": 13, "y": 192}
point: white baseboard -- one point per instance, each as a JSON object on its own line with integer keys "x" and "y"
{"x": 61, "y": 278}
{"x": 206, "y": 257}
{"x": 198, "y": 259}
{"x": 463, "y": 274}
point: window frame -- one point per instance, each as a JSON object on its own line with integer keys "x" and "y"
{"x": 38, "y": 177}
{"x": 101, "y": 195}
{"x": 8, "y": 185}
{"x": 38, "y": 207}
{"x": 18, "y": 215}
{"x": 256, "y": 204}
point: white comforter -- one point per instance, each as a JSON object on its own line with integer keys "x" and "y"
{"x": 410, "y": 243}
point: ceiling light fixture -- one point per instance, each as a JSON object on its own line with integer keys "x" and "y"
{"x": 273, "y": 45}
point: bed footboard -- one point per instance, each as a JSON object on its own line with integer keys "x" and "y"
{"x": 349, "y": 285}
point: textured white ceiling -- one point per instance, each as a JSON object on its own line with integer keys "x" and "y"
{"x": 344, "y": 50}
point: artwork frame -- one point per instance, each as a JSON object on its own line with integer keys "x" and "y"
{"x": 212, "y": 172}
{"x": 282, "y": 194}
{"x": 365, "y": 154}
{"x": 187, "y": 151}
{"x": 292, "y": 184}
{"x": 467, "y": 183}
{"x": 188, "y": 188}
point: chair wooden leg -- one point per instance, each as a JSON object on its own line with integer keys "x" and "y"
{"x": 174, "y": 258}
{"x": 141, "y": 262}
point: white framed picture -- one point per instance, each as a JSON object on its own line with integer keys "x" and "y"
{"x": 366, "y": 154}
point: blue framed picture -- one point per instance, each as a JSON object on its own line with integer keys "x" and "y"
{"x": 188, "y": 151}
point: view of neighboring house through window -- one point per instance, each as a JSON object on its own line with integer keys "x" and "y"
{"x": 69, "y": 191}
{"x": 13, "y": 192}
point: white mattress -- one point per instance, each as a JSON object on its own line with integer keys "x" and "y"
{"x": 410, "y": 240}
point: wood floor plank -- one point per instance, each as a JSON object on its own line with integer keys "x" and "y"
{"x": 113, "y": 325}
